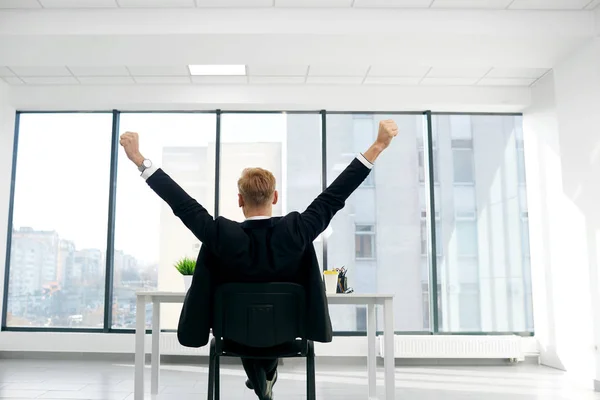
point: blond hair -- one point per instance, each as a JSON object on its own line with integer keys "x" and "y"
{"x": 256, "y": 185}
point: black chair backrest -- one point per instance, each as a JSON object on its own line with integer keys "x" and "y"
{"x": 259, "y": 314}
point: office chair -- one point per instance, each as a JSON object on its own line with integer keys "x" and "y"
{"x": 260, "y": 320}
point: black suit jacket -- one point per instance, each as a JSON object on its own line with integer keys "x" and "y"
{"x": 277, "y": 249}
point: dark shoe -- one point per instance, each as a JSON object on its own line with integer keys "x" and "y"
{"x": 250, "y": 386}
{"x": 270, "y": 384}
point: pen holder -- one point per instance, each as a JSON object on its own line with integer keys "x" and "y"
{"x": 342, "y": 285}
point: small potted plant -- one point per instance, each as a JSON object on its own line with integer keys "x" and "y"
{"x": 186, "y": 267}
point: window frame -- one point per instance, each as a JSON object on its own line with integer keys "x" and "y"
{"x": 426, "y": 146}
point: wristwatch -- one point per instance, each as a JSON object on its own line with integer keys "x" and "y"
{"x": 145, "y": 165}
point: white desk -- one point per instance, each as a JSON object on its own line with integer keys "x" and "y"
{"x": 370, "y": 300}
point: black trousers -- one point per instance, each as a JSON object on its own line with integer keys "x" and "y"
{"x": 258, "y": 371}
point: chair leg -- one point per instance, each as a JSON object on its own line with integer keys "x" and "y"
{"x": 311, "y": 390}
{"x": 217, "y": 377}
{"x": 211, "y": 370}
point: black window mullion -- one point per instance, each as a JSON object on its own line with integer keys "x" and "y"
{"x": 217, "y": 162}
{"x": 110, "y": 236}
{"x": 324, "y": 175}
{"x": 431, "y": 225}
{"x": 11, "y": 204}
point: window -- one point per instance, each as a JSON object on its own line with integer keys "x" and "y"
{"x": 462, "y": 163}
{"x": 466, "y": 238}
{"x": 424, "y": 236}
{"x": 422, "y": 166}
{"x": 381, "y": 258}
{"x": 57, "y": 257}
{"x": 149, "y": 239}
{"x": 288, "y": 145}
{"x": 361, "y": 318}
{"x": 482, "y": 224}
{"x": 365, "y": 242}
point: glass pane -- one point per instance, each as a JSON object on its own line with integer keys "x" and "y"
{"x": 463, "y": 166}
{"x": 57, "y": 257}
{"x": 288, "y": 145}
{"x": 149, "y": 239}
{"x": 392, "y": 208}
{"x": 484, "y": 271}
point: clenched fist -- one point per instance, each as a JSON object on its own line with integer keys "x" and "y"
{"x": 131, "y": 144}
{"x": 387, "y": 131}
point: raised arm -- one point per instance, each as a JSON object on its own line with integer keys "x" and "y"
{"x": 195, "y": 217}
{"x": 312, "y": 222}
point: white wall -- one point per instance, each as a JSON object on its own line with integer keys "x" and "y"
{"x": 7, "y": 122}
{"x": 562, "y": 155}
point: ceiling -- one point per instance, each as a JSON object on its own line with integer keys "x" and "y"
{"x": 434, "y": 4}
{"x": 275, "y": 74}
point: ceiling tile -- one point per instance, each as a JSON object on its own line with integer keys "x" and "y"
{"x": 156, "y": 3}
{"x": 79, "y": 3}
{"x": 106, "y": 80}
{"x": 398, "y": 70}
{"x": 391, "y": 81}
{"x": 334, "y": 80}
{"x": 437, "y": 72}
{"x": 19, "y": 4}
{"x": 169, "y": 70}
{"x": 279, "y": 80}
{"x": 99, "y": 71}
{"x": 517, "y": 73}
{"x": 549, "y": 4}
{"x": 449, "y": 81}
{"x": 338, "y": 70}
{"x": 234, "y": 3}
{"x": 593, "y": 4}
{"x": 13, "y": 80}
{"x": 506, "y": 82}
{"x": 41, "y": 71}
{"x": 393, "y": 3}
{"x": 493, "y": 4}
{"x": 162, "y": 80}
{"x": 220, "y": 80}
{"x": 51, "y": 80}
{"x": 4, "y": 71}
{"x": 313, "y": 3}
{"x": 277, "y": 70}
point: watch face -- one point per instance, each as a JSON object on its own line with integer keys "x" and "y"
{"x": 147, "y": 163}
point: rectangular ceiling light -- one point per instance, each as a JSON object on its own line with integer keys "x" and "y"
{"x": 217, "y": 70}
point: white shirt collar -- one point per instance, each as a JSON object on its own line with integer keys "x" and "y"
{"x": 257, "y": 217}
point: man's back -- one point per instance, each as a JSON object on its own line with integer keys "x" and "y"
{"x": 258, "y": 250}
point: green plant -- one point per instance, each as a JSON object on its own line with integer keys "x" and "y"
{"x": 186, "y": 266}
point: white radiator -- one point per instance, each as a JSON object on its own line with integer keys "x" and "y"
{"x": 485, "y": 347}
{"x": 453, "y": 347}
{"x": 170, "y": 345}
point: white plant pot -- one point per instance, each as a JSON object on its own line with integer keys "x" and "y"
{"x": 187, "y": 281}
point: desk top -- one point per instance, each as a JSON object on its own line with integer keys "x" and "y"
{"x": 158, "y": 294}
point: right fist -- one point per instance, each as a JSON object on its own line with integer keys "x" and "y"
{"x": 131, "y": 144}
{"x": 387, "y": 131}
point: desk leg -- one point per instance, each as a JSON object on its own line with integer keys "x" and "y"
{"x": 372, "y": 354}
{"x": 155, "y": 368}
{"x": 140, "y": 355}
{"x": 389, "y": 360}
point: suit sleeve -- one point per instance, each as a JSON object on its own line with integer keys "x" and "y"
{"x": 312, "y": 222}
{"x": 195, "y": 217}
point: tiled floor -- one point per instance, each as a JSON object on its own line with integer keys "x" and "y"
{"x": 33, "y": 379}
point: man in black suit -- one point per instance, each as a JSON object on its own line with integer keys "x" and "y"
{"x": 261, "y": 249}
